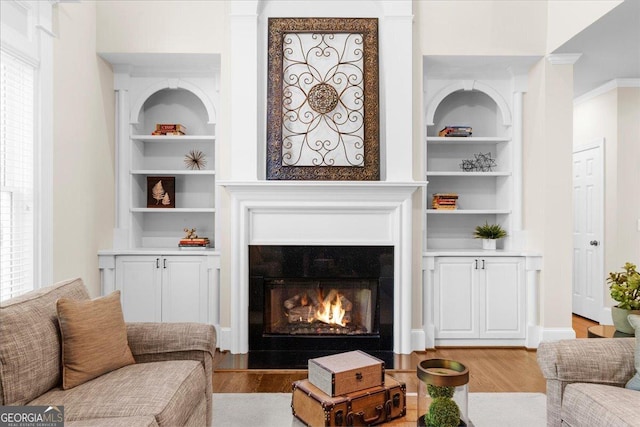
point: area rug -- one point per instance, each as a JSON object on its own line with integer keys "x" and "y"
{"x": 274, "y": 410}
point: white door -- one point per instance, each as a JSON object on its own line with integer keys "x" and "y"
{"x": 184, "y": 289}
{"x": 139, "y": 281}
{"x": 501, "y": 300}
{"x": 588, "y": 216}
{"x": 456, "y": 298}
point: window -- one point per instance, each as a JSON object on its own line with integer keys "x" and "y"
{"x": 17, "y": 116}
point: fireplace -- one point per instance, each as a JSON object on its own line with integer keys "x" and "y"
{"x": 311, "y": 301}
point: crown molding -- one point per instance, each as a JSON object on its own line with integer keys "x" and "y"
{"x": 563, "y": 58}
{"x": 610, "y": 85}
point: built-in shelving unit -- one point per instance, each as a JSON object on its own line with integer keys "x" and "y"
{"x": 483, "y": 196}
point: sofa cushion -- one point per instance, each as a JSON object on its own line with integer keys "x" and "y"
{"x": 634, "y": 382}
{"x": 94, "y": 338}
{"x": 135, "y": 391}
{"x": 585, "y": 404}
{"x": 30, "y": 362}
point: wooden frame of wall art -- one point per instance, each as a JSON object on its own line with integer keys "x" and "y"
{"x": 161, "y": 192}
{"x": 322, "y": 99}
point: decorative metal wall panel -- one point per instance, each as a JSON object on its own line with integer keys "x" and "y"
{"x": 322, "y": 111}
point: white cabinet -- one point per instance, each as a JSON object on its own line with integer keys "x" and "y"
{"x": 479, "y": 298}
{"x": 163, "y": 288}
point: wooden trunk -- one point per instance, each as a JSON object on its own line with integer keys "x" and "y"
{"x": 343, "y": 373}
{"x": 371, "y": 406}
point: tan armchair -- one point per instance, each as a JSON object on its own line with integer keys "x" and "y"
{"x": 585, "y": 382}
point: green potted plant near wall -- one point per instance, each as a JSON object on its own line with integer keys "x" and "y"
{"x": 625, "y": 289}
{"x": 489, "y": 233}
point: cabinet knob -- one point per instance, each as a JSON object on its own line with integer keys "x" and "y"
{"x": 594, "y": 243}
{"x": 164, "y": 263}
{"x": 476, "y": 267}
{"x": 483, "y": 264}
{"x": 157, "y": 262}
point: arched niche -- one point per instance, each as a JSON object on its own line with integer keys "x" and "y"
{"x": 470, "y": 103}
{"x": 174, "y": 101}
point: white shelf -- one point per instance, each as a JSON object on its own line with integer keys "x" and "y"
{"x": 467, "y": 174}
{"x": 172, "y": 172}
{"x": 173, "y": 138}
{"x": 466, "y": 140}
{"x": 174, "y": 210}
{"x": 469, "y": 212}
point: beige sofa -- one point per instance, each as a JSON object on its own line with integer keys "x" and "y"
{"x": 169, "y": 385}
{"x": 585, "y": 382}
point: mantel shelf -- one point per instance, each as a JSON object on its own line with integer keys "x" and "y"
{"x": 174, "y": 210}
{"x": 467, "y": 174}
{"x": 173, "y": 138}
{"x": 468, "y": 211}
{"x": 171, "y": 172}
{"x": 466, "y": 140}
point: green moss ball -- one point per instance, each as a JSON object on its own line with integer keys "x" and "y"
{"x": 440, "y": 391}
{"x": 443, "y": 412}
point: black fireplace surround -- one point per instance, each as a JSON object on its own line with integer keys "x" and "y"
{"x": 291, "y": 288}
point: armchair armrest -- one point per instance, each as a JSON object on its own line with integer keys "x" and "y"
{"x": 594, "y": 360}
{"x": 587, "y": 360}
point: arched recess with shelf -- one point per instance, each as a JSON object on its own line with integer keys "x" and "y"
{"x": 172, "y": 84}
{"x": 469, "y": 85}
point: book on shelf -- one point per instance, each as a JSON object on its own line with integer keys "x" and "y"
{"x": 446, "y": 201}
{"x": 192, "y": 247}
{"x": 169, "y": 129}
{"x": 452, "y": 131}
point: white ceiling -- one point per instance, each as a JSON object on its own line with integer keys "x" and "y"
{"x": 610, "y": 48}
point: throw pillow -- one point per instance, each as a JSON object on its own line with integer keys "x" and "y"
{"x": 634, "y": 382}
{"x": 94, "y": 338}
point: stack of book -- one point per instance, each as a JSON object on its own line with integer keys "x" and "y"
{"x": 456, "y": 131}
{"x": 195, "y": 243}
{"x": 169, "y": 129}
{"x": 444, "y": 201}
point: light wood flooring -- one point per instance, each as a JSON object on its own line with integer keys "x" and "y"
{"x": 490, "y": 369}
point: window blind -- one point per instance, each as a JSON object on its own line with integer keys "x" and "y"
{"x": 17, "y": 115}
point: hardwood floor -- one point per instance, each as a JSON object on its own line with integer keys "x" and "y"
{"x": 490, "y": 369}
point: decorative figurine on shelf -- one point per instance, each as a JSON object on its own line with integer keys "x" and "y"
{"x": 191, "y": 233}
{"x": 480, "y": 163}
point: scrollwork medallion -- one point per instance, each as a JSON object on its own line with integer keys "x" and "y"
{"x": 322, "y": 116}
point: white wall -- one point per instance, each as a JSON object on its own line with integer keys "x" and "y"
{"x": 83, "y": 160}
{"x": 547, "y": 186}
{"x": 615, "y": 116}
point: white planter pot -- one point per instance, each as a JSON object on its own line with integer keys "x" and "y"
{"x": 489, "y": 244}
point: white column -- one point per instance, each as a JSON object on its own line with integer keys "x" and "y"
{"x": 244, "y": 90}
{"x": 123, "y": 161}
{"x": 396, "y": 91}
{"x": 533, "y": 265}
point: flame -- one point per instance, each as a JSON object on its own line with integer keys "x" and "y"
{"x": 331, "y": 311}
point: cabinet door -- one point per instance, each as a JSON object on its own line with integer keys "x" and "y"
{"x": 184, "y": 289}
{"x": 139, "y": 281}
{"x": 456, "y": 298}
{"x": 502, "y": 304}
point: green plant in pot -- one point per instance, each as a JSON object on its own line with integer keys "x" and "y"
{"x": 443, "y": 410}
{"x": 489, "y": 233}
{"x": 625, "y": 289}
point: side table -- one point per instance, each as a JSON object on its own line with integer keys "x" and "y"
{"x": 606, "y": 331}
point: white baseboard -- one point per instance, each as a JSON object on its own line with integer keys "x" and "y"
{"x": 417, "y": 340}
{"x": 556, "y": 334}
{"x": 224, "y": 339}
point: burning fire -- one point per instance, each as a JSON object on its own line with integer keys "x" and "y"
{"x": 330, "y": 310}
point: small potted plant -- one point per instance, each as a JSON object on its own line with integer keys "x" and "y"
{"x": 625, "y": 289}
{"x": 489, "y": 233}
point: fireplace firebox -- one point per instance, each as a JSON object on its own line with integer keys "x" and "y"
{"x": 311, "y": 301}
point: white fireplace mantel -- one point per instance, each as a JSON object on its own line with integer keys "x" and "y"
{"x": 320, "y": 213}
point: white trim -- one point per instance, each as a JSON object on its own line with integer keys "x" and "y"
{"x": 610, "y": 85}
{"x": 563, "y": 58}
